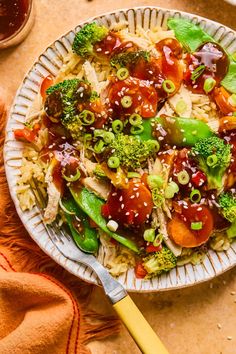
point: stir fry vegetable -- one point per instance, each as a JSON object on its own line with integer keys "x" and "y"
{"x": 136, "y": 144}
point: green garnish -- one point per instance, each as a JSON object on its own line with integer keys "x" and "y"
{"x": 198, "y": 72}
{"x": 168, "y": 86}
{"x": 113, "y": 162}
{"x": 183, "y": 177}
{"x": 122, "y": 73}
{"x": 195, "y": 196}
{"x": 209, "y": 84}
{"x": 126, "y": 101}
{"x": 135, "y": 119}
{"x": 196, "y": 225}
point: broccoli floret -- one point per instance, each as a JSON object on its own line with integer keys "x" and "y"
{"x": 159, "y": 262}
{"x": 132, "y": 152}
{"x": 65, "y": 100}
{"x": 227, "y": 202}
{"x": 87, "y": 37}
{"x": 129, "y": 58}
{"x": 213, "y": 157}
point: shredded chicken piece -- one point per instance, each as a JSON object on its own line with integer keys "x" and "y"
{"x": 166, "y": 109}
{"x": 53, "y": 201}
{"x": 91, "y": 75}
{"x": 89, "y": 166}
{"x": 154, "y": 167}
{"x": 99, "y": 187}
{"x": 163, "y": 229}
{"x": 53, "y": 193}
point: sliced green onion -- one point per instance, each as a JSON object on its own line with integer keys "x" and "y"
{"x": 88, "y": 136}
{"x": 183, "y": 177}
{"x": 157, "y": 197}
{"x": 212, "y": 160}
{"x": 87, "y": 117}
{"x": 108, "y": 137}
{"x": 196, "y": 225}
{"x": 135, "y": 119}
{"x": 168, "y": 86}
{"x": 171, "y": 189}
{"x": 181, "y": 107}
{"x": 72, "y": 178}
{"x": 126, "y": 101}
{"x": 155, "y": 181}
{"x": 136, "y": 129}
{"x": 195, "y": 196}
{"x": 209, "y": 84}
{"x": 154, "y": 144}
{"x": 149, "y": 235}
{"x": 232, "y": 100}
{"x": 122, "y": 73}
{"x": 98, "y": 133}
{"x": 158, "y": 240}
{"x": 113, "y": 162}
{"x": 197, "y": 72}
{"x": 117, "y": 126}
{"x": 99, "y": 147}
{"x": 133, "y": 175}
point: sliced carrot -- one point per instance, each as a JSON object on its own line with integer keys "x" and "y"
{"x": 183, "y": 236}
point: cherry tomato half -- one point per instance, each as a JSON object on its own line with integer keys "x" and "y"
{"x": 46, "y": 83}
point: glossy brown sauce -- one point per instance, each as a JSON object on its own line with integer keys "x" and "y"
{"x": 12, "y": 16}
{"x": 216, "y": 63}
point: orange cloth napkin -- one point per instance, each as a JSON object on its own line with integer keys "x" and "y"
{"x": 43, "y": 308}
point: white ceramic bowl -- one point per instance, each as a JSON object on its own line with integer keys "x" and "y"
{"x": 48, "y": 63}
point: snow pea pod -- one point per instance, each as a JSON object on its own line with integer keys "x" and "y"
{"x": 147, "y": 130}
{"x": 184, "y": 131}
{"x": 86, "y": 239}
{"x": 91, "y": 205}
{"x": 180, "y": 131}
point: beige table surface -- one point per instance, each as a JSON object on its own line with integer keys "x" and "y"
{"x": 197, "y": 320}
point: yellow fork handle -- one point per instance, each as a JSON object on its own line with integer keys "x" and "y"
{"x": 144, "y": 336}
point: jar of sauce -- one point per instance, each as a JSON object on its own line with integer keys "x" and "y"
{"x": 16, "y": 20}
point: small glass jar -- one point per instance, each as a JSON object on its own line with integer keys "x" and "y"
{"x": 16, "y": 21}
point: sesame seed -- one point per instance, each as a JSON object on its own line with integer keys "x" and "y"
{"x": 121, "y": 198}
{"x": 137, "y": 194}
{"x": 122, "y": 206}
{"x": 127, "y": 213}
{"x": 232, "y": 293}
{"x": 219, "y": 326}
{"x": 132, "y": 196}
{"x": 229, "y": 338}
{"x": 145, "y": 204}
{"x": 136, "y": 215}
{"x": 114, "y": 194}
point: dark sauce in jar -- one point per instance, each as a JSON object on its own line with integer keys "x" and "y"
{"x": 12, "y": 16}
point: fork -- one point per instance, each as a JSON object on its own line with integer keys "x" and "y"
{"x": 142, "y": 333}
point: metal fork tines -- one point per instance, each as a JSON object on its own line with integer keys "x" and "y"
{"x": 65, "y": 244}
